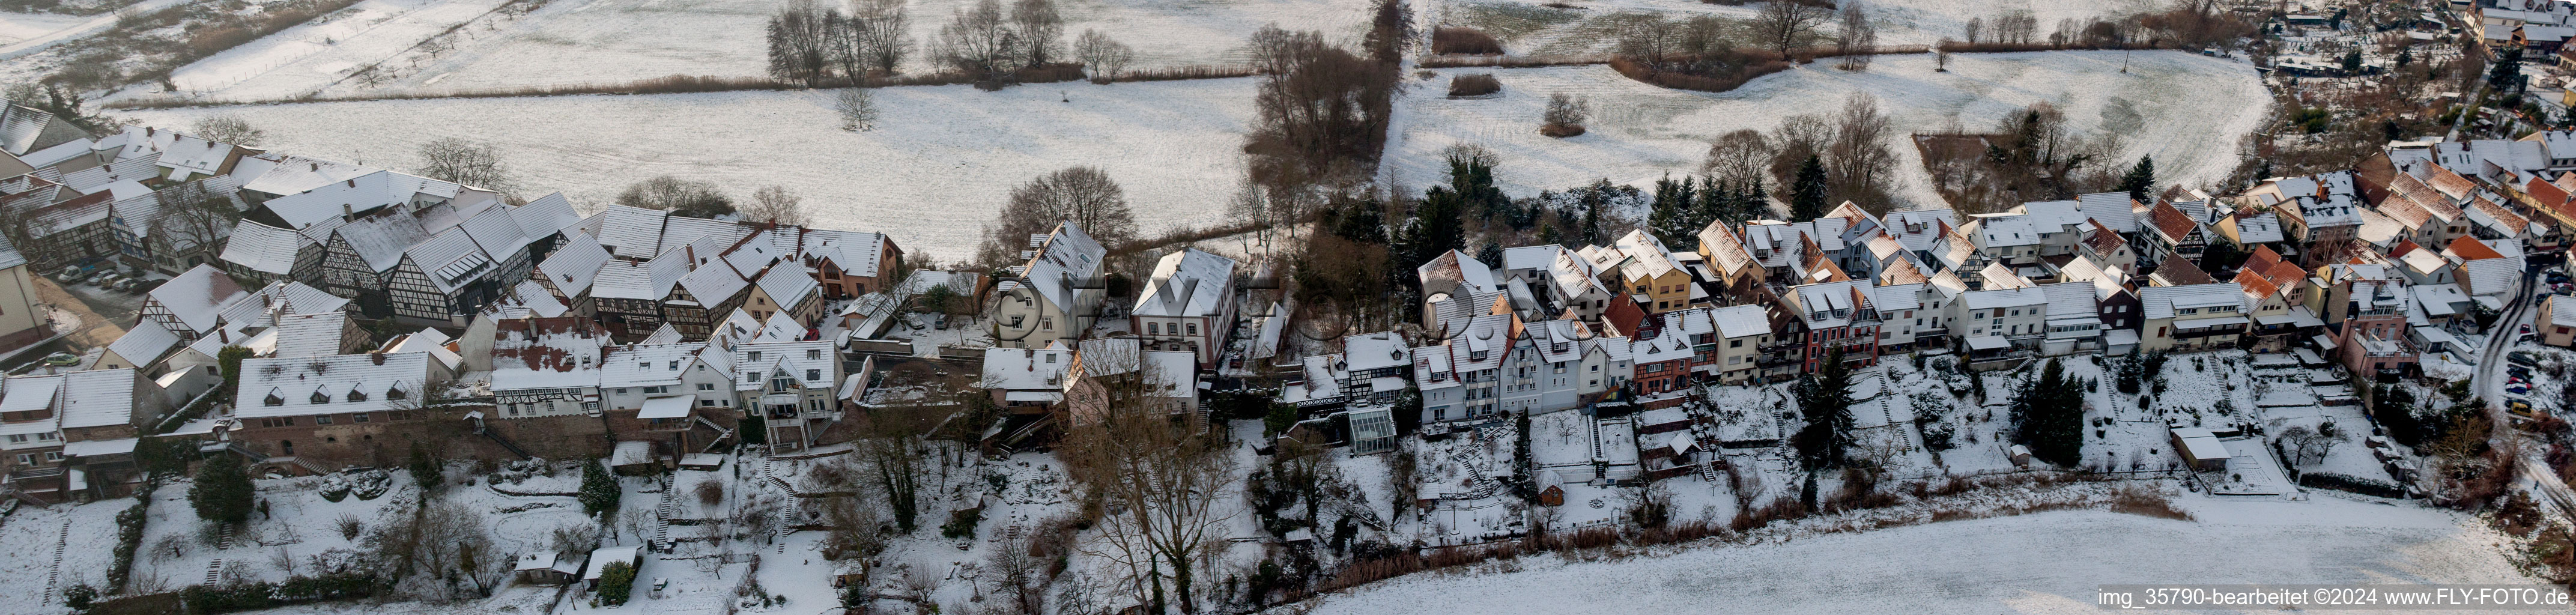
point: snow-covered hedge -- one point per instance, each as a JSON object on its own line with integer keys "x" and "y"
{"x": 129, "y": 537}
{"x": 2355, "y": 484}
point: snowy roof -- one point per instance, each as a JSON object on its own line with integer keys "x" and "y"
{"x": 197, "y": 296}
{"x": 496, "y": 232}
{"x": 2112, "y": 209}
{"x": 856, "y": 253}
{"x": 1025, "y": 369}
{"x": 629, "y": 232}
{"x": 714, "y": 282}
{"x": 667, "y": 407}
{"x": 2160, "y": 301}
{"x": 789, "y": 359}
{"x": 536, "y": 353}
{"x": 144, "y": 345}
{"x": 1191, "y": 282}
{"x": 1736, "y": 321}
{"x": 2258, "y": 228}
{"x": 545, "y": 216}
{"x": 2201, "y": 444}
{"x": 294, "y": 382}
{"x": 310, "y": 335}
{"x": 358, "y": 194}
{"x": 451, "y": 259}
{"x": 1072, "y": 249}
{"x": 789, "y": 283}
{"x": 666, "y": 334}
{"x": 381, "y": 240}
{"x": 98, "y": 398}
{"x": 642, "y": 364}
{"x": 2071, "y": 301}
{"x": 262, "y": 248}
{"x": 573, "y": 265}
{"x": 290, "y": 174}
{"x": 1380, "y": 350}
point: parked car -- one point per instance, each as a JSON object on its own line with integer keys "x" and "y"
{"x": 2518, "y": 389}
{"x": 62, "y": 359}
{"x": 939, "y": 322}
{"x": 2520, "y": 357}
{"x": 2517, "y": 371}
{"x": 2526, "y": 328}
{"x": 2517, "y": 407}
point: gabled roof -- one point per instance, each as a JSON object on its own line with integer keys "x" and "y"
{"x": 98, "y": 398}
{"x": 451, "y": 260}
{"x": 310, "y": 335}
{"x": 629, "y": 232}
{"x": 2174, "y": 224}
{"x": 283, "y": 174}
{"x": 144, "y": 345}
{"x": 2160, "y": 301}
{"x": 856, "y": 253}
{"x": 262, "y": 248}
{"x": 545, "y": 216}
{"x": 1191, "y": 282}
{"x": 496, "y": 232}
{"x": 359, "y": 194}
{"x": 197, "y": 297}
{"x": 1725, "y": 249}
{"x": 530, "y": 353}
{"x": 789, "y": 283}
{"x": 2112, "y": 209}
{"x": 1025, "y": 369}
{"x": 573, "y": 265}
{"x": 714, "y": 282}
{"x": 294, "y": 381}
{"x": 381, "y": 240}
{"x": 2257, "y": 228}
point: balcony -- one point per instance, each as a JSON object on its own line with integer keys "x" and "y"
{"x": 667, "y": 425}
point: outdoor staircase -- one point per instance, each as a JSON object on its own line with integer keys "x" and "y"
{"x": 721, "y": 434}
{"x": 224, "y": 540}
{"x": 214, "y": 571}
{"x": 54, "y": 575}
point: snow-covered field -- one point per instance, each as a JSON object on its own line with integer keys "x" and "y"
{"x": 307, "y": 58}
{"x": 593, "y": 41}
{"x": 16, "y": 27}
{"x": 941, "y": 163}
{"x": 1640, "y": 132}
{"x": 1531, "y": 28}
{"x": 2040, "y": 563}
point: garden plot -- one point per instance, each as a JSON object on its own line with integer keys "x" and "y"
{"x": 1640, "y": 132}
{"x": 941, "y": 163}
{"x": 1532, "y": 28}
{"x": 2046, "y": 562}
{"x": 594, "y": 41}
{"x": 307, "y": 58}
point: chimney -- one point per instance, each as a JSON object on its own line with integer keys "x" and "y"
{"x": 353, "y": 183}
{"x": 377, "y": 358}
{"x": 347, "y": 211}
{"x": 223, "y": 336}
{"x": 316, "y": 166}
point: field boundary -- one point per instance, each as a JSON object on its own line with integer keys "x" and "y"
{"x": 699, "y": 84}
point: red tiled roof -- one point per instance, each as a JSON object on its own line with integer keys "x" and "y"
{"x": 2172, "y": 222}
{"x": 2471, "y": 249}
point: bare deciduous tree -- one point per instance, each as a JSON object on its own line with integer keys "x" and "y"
{"x": 695, "y": 199}
{"x": 1040, "y": 28}
{"x": 1566, "y": 111}
{"x": 1164, "y": 479}
{"x": 979, "y": 40}
{"x": 857, "y": 108}
{"x": 465, "y": 162}
{"x": 1104, "y": 57}
{"x": 191, "y": 224}
{"x": 884, "y": 32}
{"x": 1786, "y": 25}
{"x": 1858, "y": 162}
{"x": 229, "y": 128}
{"x": 1017, "y": 575}
{"x": 1082, "y": 195}
{"x": 1857, "y": 38}
{"x": 1737, "y": 158}
{"x": 799, "y": 42}
{"x": 776, "y": 205}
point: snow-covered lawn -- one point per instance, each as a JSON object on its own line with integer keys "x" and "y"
{"x": 2046, "y": 562}
{"x": 309, "y": 57}
{"x": 1640, "y": 132}
{"x": 941, "y": 163}
{"x": 594, "y": 41}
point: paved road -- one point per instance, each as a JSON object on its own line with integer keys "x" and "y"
{"x": 2488, "y": 383}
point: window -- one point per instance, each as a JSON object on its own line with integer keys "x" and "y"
{"x": 813, "y": 354}
{"x": 1152, "y": 328}
{"x": 755, "y": 356}
{"x": 706, "y": 386}
{"x": 1194, "y": 328}
{"x": 273, "y": 400}
{"x": 360, "y": 417}
{"x": 813, "y": 374}
{"x": 26, "y": 458}
{"x": 751, "y": 378}
{"x": 394, "y": 393}
{"x": 1735, "y": 343}
{"x": 643, "y": 365}
{"x": 322, "y": 420}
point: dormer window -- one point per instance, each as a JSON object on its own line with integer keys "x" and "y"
{"x": 357, "y": 395}
{"x": 321, "y": 398}
{"x": 394, "y": 393}
{"x": 273, "y": 400}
